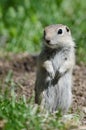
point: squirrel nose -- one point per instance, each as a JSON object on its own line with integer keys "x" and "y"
{"x": 47, "y": 40}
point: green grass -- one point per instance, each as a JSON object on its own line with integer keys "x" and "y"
{"x": 20, "y": 113}
{"x": 22, "y": 23}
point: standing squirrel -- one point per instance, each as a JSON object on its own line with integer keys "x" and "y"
{"x": 54, "y": 69}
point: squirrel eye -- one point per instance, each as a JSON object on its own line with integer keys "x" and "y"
{"x": 59, "y": 31}
{"x": 67, "y": 29}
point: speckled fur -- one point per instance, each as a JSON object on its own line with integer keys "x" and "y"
{"x": 54, "y": 76}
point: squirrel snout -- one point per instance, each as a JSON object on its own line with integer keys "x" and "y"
{"x": 46, "y": 38}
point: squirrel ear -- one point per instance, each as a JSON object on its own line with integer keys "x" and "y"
{"x": 67, "y": 29}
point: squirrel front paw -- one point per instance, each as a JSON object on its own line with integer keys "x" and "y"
{"x": 51, "y": 74}
{"x": 56, "y": 77}
{"x": 49, "y": 68}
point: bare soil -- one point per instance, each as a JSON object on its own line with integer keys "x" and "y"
{"x": 23, "y": 68}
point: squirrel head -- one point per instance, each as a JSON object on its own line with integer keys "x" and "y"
{"x": 57, "y": 36}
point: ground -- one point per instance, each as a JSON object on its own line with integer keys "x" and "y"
{"x": 22, "y": 67}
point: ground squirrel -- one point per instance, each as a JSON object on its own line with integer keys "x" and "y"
{"x": 54, "y": 69}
